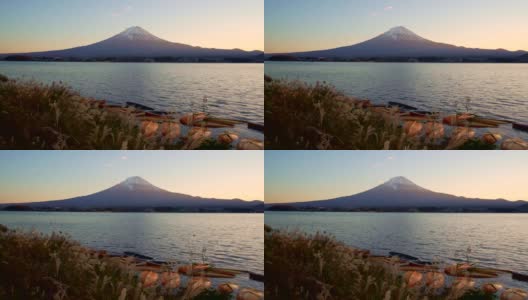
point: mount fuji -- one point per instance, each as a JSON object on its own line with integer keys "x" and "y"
{"x": 137, "y": 42}
{"x": 402, "y": 42}
{"x": 136, "y": 192}
{"x": 400, "y": 192}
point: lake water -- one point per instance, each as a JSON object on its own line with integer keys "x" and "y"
{"x": 496, "y": 90}
{"x": 231, "y": 240}
{"x": 496, "y": 240}
{"x": 233, "y": 90}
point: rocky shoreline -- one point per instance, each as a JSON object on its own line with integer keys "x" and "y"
{"x": 54, "y": 265}
{"x": 154, "y": 272}
{"x": 306, "y": 116}
{"x": 321, "y": 265}
{"x": 39, "y": 116}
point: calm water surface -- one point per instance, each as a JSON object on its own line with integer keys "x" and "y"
{"x": 496, "y": 90}
{"x": 496, "y": 240}
{"x": 231, "y": 240}
{"x": 233, "y": 90}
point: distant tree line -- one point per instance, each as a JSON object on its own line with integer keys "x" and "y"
{"x": 438, "y": 59}
{"x": 164, "y": 59}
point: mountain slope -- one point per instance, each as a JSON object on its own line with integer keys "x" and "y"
{"x": 401, "y": 42}
{"x": 399, "y": 192}
{"x": 136, "y": 192}
{"x": 137, "y": 42}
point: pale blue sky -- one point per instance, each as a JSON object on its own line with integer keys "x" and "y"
{"x": 34, "y": 25}
{"x": 54, "y": 175}
{"x": 296, "y": 25}
{"x": 317, "y": 175}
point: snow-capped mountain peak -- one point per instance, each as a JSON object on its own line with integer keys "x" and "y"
{"x": 398, "y": 182}
{"x": 137, "y": 33}
{"x": 133, "y": 182}
{"x": 401, "y": 33}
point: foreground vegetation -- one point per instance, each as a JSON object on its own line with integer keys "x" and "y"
{"x": 38, "y": 266}
{"x": 303, "y": 116}
{"x": 303, "y": 266}
{"x": 39, "y": 116}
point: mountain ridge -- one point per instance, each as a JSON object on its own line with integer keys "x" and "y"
{"x": 402, "y": 42}
{"x": 399, "y": 192}
{"x": 136, "y": 192}
{"x": 138, "y": 42}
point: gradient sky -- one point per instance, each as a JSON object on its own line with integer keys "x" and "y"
{"x": 53, "y": 175}
{"x": 317, "y": 175}
{"x": 35, "y": 25}
{"x": 297, "y": 25}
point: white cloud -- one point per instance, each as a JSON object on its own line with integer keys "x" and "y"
{"x": 388, "y": 8}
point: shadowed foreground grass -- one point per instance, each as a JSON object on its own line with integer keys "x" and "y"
{"x": 303, "y": 116}
{"x": 301, "y": 266}
{"x": 38, "y": 266}
{"x": 39, "y": 116}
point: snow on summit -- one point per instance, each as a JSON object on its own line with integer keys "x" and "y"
{"x": 397, "y": 182}
{"x": 132, "y": 182}
{"x": 137, "y": 33}
{"x": 401, "y": 33}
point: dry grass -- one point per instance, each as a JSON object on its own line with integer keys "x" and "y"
{"x": 302, "y": 266}
{"x": 38, "y": 266}
{"x": 303, "y": 116}
{"x": 39, "y": 116}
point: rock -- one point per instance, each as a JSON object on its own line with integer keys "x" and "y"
{"x": 412, "y": 128}
{"x": 250, "y": 294}
{"x": 491, "y": 138}
{"x": 256, "y": 277}
{"x": 434, "y": 130}
{"x": 188, "y": 269}
{"x": 137, "y": 255}
{"x": 402, "y": 105}
{"x": 227, "y": 138}
{"x": 434, "y": 280}
{"x": 149, "y": 128}
{"x": 148, "y": 278}
{"x": 403, "y": 256}
{"x": 463, "y": 283}
{"x": 196, "y": 286}
{"x": 514, "y": 144}
{"x": 255, "y": 126}
{"x": 454, "y": 120}
{"x": 170, "y": 280}
{"x": 250, "y": 144}
{"x": 463, "y": 133}
{"x": 148, "y": 266}
{"x": 455, "y": 270}
{"x": 519, "y": 276}
{"x": 413, "y": 278}
{"x": 514, "y": 294}
{"x": 170, "y": 130}
{"x": 227, "y": 288}
{"x": 190, "y": 119}
{"x": 519, "y": 126}
{"x": 138, "y": 106}
{"x": 491, "y": 288}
